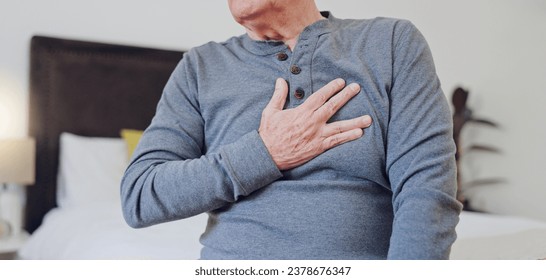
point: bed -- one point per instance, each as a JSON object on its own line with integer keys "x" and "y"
{"x": 82, "y": 95}
{"x": 90, "y": 91}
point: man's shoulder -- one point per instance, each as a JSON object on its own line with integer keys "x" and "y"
{"x": 214, "y": 48}
{"x": 378, "y": 24}
{"x": 381, "y": 30}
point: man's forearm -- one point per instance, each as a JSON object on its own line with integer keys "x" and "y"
{"x": 160, "y": 190}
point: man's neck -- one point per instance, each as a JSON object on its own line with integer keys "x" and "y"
{"x": 283, "y": 26}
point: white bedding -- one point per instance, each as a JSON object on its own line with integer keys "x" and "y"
{"x": 99, "y": 232}
{"x": 497, "y": 237}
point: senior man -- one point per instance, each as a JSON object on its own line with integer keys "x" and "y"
{"x": 264, "y": 132}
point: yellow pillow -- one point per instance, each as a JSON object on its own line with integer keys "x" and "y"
{"x": 131, "y": 137}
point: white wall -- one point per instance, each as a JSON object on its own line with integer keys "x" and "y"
{"x": 496, "y": 49}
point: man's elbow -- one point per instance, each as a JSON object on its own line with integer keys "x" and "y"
{"x": 131, "y": 218}
{"x": 130, "y": 214}
{"x": 133, "y": 222}
{"x": 130, "y": 204}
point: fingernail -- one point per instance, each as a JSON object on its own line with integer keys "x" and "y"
{"x": 367, "y": 120}
{"x": 278, "y": 83}
{"x": 355, "y": 86}
{"x": 340, "y": 81}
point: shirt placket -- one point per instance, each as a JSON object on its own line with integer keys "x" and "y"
{"x": 299, "y": 72}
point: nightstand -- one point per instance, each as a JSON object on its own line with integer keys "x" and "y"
{"x": 10, "y": 245}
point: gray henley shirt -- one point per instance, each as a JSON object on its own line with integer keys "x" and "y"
{"x": 389, "y": 194}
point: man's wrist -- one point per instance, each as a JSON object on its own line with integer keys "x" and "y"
{"x": 250, "y": 163}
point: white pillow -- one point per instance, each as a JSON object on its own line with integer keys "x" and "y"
{"x": 90, "y": 169}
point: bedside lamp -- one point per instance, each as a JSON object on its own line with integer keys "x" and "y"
{"x": 16, "y": 167}
{"x": 17, "y": 161}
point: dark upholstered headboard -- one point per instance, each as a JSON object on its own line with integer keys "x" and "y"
{"x": 89, "y": 89}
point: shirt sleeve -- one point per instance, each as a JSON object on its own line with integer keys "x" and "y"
{"x": 420, "y": 153}
{"x": 172, "y": 177}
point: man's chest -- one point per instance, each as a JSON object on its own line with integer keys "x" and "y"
{"x": 233, "y": 109}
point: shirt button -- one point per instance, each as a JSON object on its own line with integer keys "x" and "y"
{"x": 282, "y": 56}
{"x": 295, "y": 70}
{"x": 300, "y": 93}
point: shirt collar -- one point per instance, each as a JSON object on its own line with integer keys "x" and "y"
{"x": 261, "y": 47}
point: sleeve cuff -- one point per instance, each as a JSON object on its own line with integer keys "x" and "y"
{"x": 250, "y": 164}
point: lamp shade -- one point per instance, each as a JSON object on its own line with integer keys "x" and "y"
{"x": 17, "y": 161}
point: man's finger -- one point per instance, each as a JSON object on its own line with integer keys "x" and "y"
{"x": 317, "y": 99}
{"x": 333, "y": 105}
{"x": 346, "y": 125}
{"x": 341, "y": 138}
{"x": 279, "y": 95}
